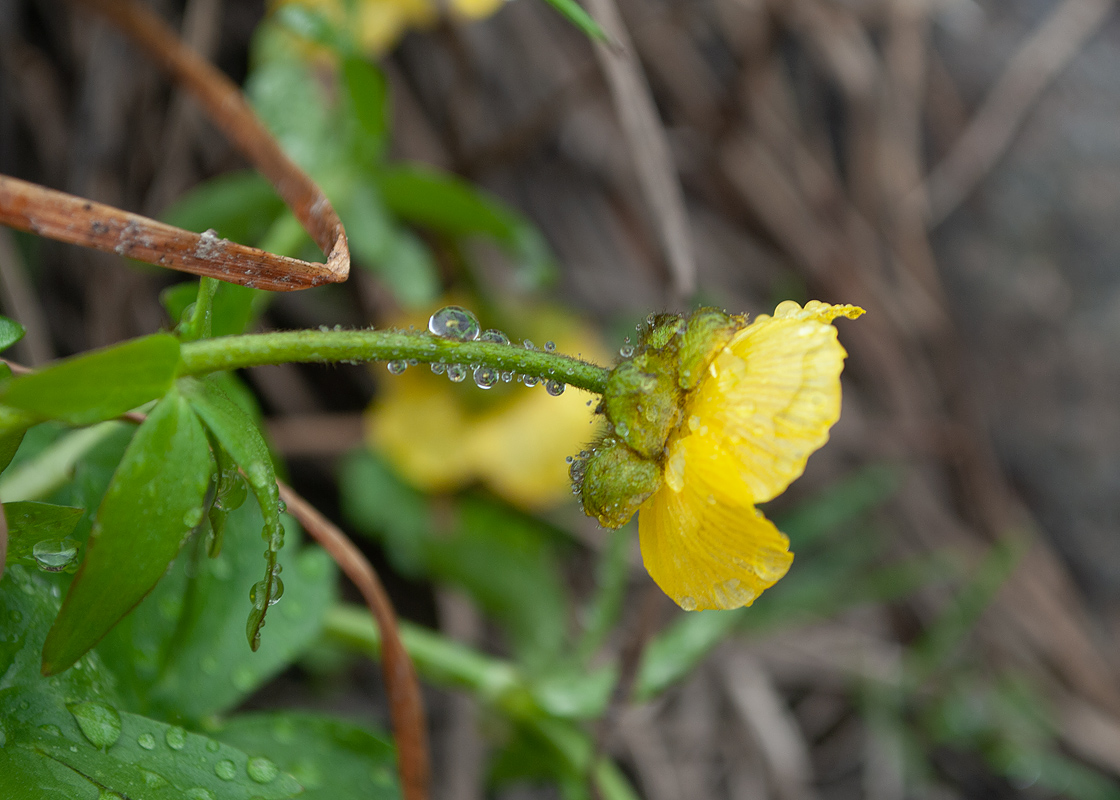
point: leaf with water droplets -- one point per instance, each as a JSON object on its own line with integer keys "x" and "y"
{"x": 139, "y": 528}
{"x": 329, "y": 757}
{"x": 31, "y": 524}
{"x": 236, "y": 432}
{"x": 212, "y": 670}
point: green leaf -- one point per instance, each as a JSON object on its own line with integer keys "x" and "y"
{"x": 238, "y": 206}
{"x": 574, "y": 13}
{"x": 124, "y": 753}
{"x": 450, "y": 205}
{"x": 10, "y": 332}
{"x": 234, "y": 429}
{"x": 154, "y": 500}
{"x": 98, "y": 385}
{"x": 329, "y": 757}
{"x": 30, "y": 523}
{"x": 369, "y": 92}
{"x": 181, "y": 654}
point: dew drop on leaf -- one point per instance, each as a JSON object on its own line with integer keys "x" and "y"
{"x": 99, "y": 723}
{"x": 213, "y": 746}
{"x": 55, "y": 555}
{"x": 262, "y": 770}
{"x": 176, "y": 738}
{"x": 146, "y": 741}
{"x": 198, "y": 793}
{"x": 454, "y": 322}
{"x": 225, "y": 769}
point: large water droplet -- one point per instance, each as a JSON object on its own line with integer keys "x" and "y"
{"x": 688, "y": 603}
{"x": 626, "y": 350}
{"x": 99, "y": 723}
{"x": 55, "y": 555}
{"x": 454, "y": 322}
{"x": 485, "y": 377}
{"x": 153, "y": 780}
{"x": 262, "y": 770}
{"x": 176, "y": 738}
{"x": 438, "y": 367}
{"x": 225, "y": 769}
{"x": 550, "y": 347}
{"x": 554, "y": 388}
{"x": 495, "y": 336}
{"x": 530, "y": 380}
{"x": 397, "y": 367}
{"x": 456, "y": 373}
{"x": 146, "y": 741}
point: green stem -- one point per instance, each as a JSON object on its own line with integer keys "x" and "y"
{"x": 235, "y": 352}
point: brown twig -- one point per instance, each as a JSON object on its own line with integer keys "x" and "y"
{"x": 401, "y": 683}
{"x": 66, "y": 218}
{"x": 77, "y": 221}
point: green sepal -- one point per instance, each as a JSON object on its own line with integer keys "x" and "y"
{"x": 616, "y": 481}
{"x": 643, "y": 400}
{"x": 708, "y": 331}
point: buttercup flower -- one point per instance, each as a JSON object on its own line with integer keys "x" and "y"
{"x": 709, "y": 418}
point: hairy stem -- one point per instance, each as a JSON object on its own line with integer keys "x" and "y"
{"x": 235, "y": 352}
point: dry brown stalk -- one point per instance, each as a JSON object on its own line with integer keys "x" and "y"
{"x": 401, "y": 684}
{"x": 71, "y": 219}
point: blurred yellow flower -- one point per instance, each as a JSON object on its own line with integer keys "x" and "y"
{"x": 377, "y": 25}
{"x": 764, "y": 403}
{"x": 513, "y": 439}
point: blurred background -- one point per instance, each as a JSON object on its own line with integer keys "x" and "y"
{"x": 949, "y": 626}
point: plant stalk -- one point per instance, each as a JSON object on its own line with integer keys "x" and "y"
{"x": 252, "y": 350}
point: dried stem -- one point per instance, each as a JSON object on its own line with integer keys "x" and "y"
{"x": 401, "y": 682}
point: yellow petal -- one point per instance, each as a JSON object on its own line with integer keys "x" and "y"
{"x": 702, "y": 542}
{"x": 772, "y": 394}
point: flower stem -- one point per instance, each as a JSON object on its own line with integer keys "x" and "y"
{"x": 251, "y": 350}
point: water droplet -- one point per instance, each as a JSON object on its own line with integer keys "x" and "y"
{"x": 507, "y": 377}
{"x": 262, "y": 770}
{"x": 146, "y": 741}
{"x": 153, "y": 780}
{"x": 282, "y": 507}
{"x": 193, "y": 517}
{"x": 485, "y": 377}
{"x": 55, "y": 555}
{"x": 530, "y": 380}
{"x": 176, "y": 738}
{"x": 51, "y": 730}
{"x": 257, "y": 594}
{"x": 397, "y": 367}
{"x": 198, "y": 793}
{"x": 456, "y": 373}
{"x": 438, "y": 367}
{"x": 213, "y": 746}
{"x": 225, "y": 769}
{"x": 626, "y": 350}
{"x": 550, "y": 347}
{"x": 528, "y": 345}
{"x": 454, "y": 322}
{"x": 495, "y": 336}
{"x": 688, "y": 603}
{"x": 554, "y": 388}
{"x": 99, "y": 723}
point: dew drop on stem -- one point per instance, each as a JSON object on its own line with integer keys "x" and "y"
{"x": 494, "y": 336}
{"x": 554, "y": 388}
{"x": 397, "y": 367}
{"x": 485, "y": 377}
{"x": 454, "y": 322}
{"x": 456, "y": 373}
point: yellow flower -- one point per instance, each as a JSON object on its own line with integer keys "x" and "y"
{"x": 512, "y": 439}
{"x": 728, "y": 415}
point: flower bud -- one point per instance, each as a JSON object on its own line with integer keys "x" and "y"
{"x": 615, "y": 481}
